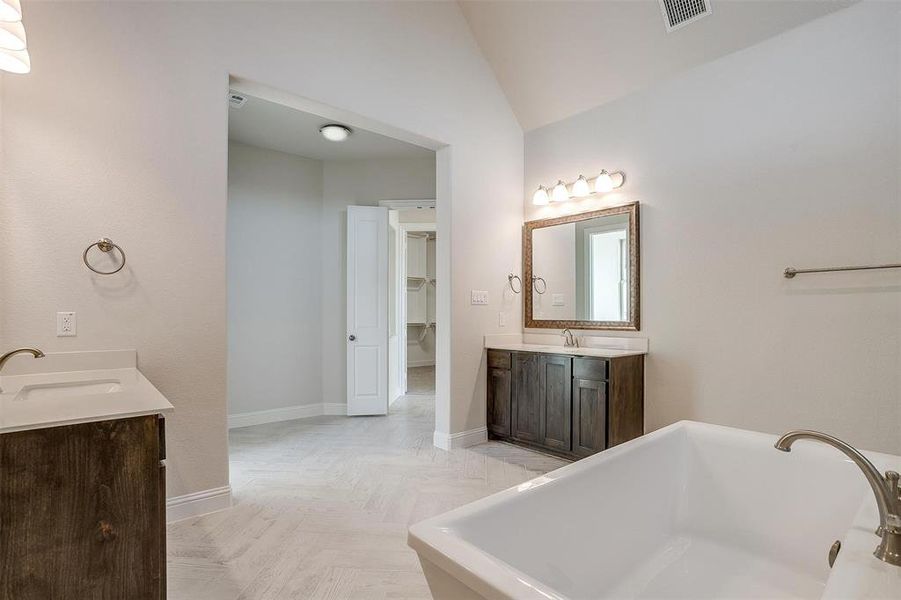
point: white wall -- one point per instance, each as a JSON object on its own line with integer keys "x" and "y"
{"x": 120, "y": 130}
{"x": 274, "y": 248}
{"x": 356, "y": 182}
{"x": 786, "y": 153}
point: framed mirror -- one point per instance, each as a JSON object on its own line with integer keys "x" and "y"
{"x": 582, "y": 271}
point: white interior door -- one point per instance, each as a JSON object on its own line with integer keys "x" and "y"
{"x": 367, "y": 310}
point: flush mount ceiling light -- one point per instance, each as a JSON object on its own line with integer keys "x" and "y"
{"x": 580, "y": 188}
{"x": 334, "y": 132}
{"x": 540, "y": 197}
{"x": 10, "y": 10}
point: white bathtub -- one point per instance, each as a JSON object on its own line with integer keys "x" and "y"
{"x": 689, "y": 511}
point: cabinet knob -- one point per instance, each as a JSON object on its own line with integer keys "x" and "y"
{"x": 352, "y": 337}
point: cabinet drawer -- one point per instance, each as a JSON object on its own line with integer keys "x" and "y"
{"x": 590, "y": 368}
{"x": 498, "y": 359}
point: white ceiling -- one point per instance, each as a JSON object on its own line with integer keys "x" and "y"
{"x": 277, "y": 127}
{"x": 555, "y": 59}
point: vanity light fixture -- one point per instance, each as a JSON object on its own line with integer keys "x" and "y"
{"x": 604, "y": 183}
{"x": 560, "y": 194}
{"x": 540, "y": 197}
{"x": 580, "y": 187}
{"x": 14, "y": 56}
{"x": 333, "y": 132}
{"x": 15, "y": 61}
{"x": 12, "y": 36}
{"x": 10, "y": 11}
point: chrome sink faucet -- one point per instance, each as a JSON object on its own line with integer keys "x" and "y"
{"x": 33, "y": 351}
{"x": 568, "y": 340}
{"x": 888, "y": 494}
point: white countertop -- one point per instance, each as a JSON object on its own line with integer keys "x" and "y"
{"x": 75, "y": 387}
{"x": 552, "y": 343}
{"x": 548, "y": 349}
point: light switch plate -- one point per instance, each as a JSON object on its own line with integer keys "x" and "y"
{"x": 65, "y": 324}
{"x": 501, "y": 319}
{"x": 478, "y": 297}
{"x": 558, "y": 300}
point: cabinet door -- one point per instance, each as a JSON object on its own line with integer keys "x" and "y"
{"x": 80, "y": 514}
{"x": 499, "y": 402}
{"x": 555, "y": 401}
{"x": 589, "y": 416}
{"x": 524, "y": 381}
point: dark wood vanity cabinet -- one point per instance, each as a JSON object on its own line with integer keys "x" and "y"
{"x": 572, "y": 406}
{"x": 82, "y": 511}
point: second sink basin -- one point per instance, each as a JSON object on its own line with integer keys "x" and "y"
{"x": 68, "y": 389}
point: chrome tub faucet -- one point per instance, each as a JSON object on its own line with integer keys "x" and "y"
{"x": 886, "y": 490}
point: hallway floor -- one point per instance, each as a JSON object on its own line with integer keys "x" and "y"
{"x": 421, "y": 381}
{"x": 322, "y": 507}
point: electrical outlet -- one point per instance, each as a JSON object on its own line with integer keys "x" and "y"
{"x": 558, "y": 300}
{"x": 65, "y": 324}
{"x": 501, "y": 319}
{"x": 479, "y": 297}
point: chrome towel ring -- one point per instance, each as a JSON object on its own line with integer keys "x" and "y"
{"x": 535, "y": 280}
{"x": 104, "y": 245}
{"x": 510, "y": 278}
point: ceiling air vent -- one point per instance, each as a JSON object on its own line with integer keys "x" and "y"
{"x": 236, "y": 100}
{"x": 679, "y": 13}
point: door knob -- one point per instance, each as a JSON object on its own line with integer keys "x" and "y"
{"x": 352, "y": 337}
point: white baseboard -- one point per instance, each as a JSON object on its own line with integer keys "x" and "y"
{"x": 289, "y": 413}
{"x": 198, "y": 503}
{"x": 463, "y": 439}
{"x": 420, "y": 363}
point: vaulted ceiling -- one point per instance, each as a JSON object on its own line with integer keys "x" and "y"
{"x": 555, "y": 59}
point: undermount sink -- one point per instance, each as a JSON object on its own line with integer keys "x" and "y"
{"x": 68, "y": 389}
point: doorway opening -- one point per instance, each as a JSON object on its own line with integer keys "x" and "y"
{"x": 414, "y": 283}
{"x": 320, "y": 229}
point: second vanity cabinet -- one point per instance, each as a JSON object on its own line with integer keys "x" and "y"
{"x": 83, "y": 511}
{"x": 572, "y": 406}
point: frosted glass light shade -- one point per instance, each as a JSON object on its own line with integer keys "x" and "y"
{"x": 10, "y": 10}
{"x": 580, "y": 187}
{"x": 333, "y": 132}
{"x": 12, "y": 36}
{"x": 560, "y": 194}
{"x": 604, "y": 183}
{"x": 540, "y": 197}
{"x": 15, "y": 61}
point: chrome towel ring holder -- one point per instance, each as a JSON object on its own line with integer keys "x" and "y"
{"x": 104, "y": 245}
{"x": 510, "y": 278}
{"x": 535, "y": 280}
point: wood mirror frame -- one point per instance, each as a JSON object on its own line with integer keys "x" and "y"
{"x": 633, "y": 324}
